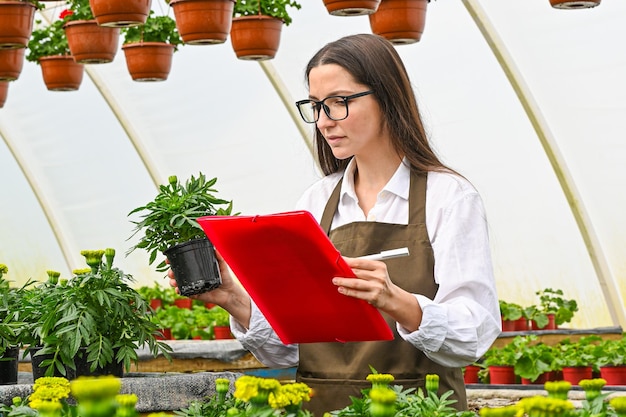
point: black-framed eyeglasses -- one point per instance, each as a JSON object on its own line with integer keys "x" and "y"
{"x": 335, "y": 107}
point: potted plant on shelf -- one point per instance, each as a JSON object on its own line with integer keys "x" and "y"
{"x": 512, "y": 317}
{"x": 11, "y": 328}
{"x": 203, "y": 22}
{"x": 535, "y": 360}
{"x": 89, "y": 42}
{"x": 48, "y": 47}
{"x": 149, "y": 48}
{"x": 16, "y": 22}
{"x": 169, "y": 225}
{"x": 500, "y": 364}
{"x": 257, "y": 25}
{"x": 611, "y": 360}
{"x": 220, "y": 322}
{"x": 552, "y": 302}
{"x": 93, "y": 323}
{"x": 576, "y": 360}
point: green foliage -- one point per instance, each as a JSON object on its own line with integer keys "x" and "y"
{"x": 157, "y": 292}
{"x": 500, "y": 356}
{"x": 171, "y": 217}
{"x": 47, "y": 40}
{"x": 12, "y": 326}
{"x": 156, "y": 29}
{"x": 510, "y": 311}
{"x": 575, "y": 354}
{"x": 533, "y": 358}
{"x": 96, "y": 310}
{"x": 274, "y": 8}
{"x": 611, "y": 352}
{"x": 553, "y": 301}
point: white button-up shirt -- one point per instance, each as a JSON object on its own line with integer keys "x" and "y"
{"x": 463, "y": 319}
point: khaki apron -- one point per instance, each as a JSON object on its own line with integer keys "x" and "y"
{"x": 336, "y": 371}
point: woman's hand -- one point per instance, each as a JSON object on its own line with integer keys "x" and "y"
{"x": 373, "y": 284}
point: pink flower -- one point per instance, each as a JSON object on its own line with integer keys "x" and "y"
{"x": 65, "y": 13}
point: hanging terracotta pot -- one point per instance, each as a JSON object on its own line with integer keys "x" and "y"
{"x": 11, "y": 63}
{"x": 574, "y": 4}
{"x": 61, "y": 72}
{"x": 16, "y": 23}
{"x": 148, "y": 61}
{"x": 4, "y": 92}
{"x": 400, "y": 21}
{"x": 120, "y": 13}
{"x": 203, "y": 22}
{"x": 256, "y": 38}
{"x": 351, "y": 7}
{"x": 91, "y": 43}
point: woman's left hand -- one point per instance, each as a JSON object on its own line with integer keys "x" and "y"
{"x": 373, "y": 284}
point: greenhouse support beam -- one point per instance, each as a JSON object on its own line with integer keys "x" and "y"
{"x": 288, "y": 102}
{"x": 607, "y": 282}
{"x": 52, "y": 220}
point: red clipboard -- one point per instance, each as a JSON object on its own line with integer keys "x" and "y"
{"x": 286, "y": 263}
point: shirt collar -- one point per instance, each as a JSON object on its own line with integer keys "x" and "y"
{"x": 398, "y": 184}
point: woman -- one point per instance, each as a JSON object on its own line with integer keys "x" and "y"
{"x": 384, "y": 188}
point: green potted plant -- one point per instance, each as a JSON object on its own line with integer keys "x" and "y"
{"x": 11, "y": 328}
{"x": 511, "y": 313}
{"x": 552, "y": 301}
{"x": 611, "y": 360}
{"x": 48, "y": 47}
{"x": 535, "y": 360}
{"x": 576, "y": 359}
{"x": 93, "y": 323}
{"x": 89, "y": 42}
{"x": 169, "y": 225}
{"x": 499, "y": 362}
{"x": 220, "y": 322}
{"x": 149, "y": 48}
{"x": 264, "y": 19}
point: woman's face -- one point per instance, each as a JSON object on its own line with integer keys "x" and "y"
{"x": 361, "y": 131}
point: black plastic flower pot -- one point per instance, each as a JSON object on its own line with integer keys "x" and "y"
{"x": 40, "y": 371}
{"x": 195, "y": 266}
{"x": 83, "y": 368}
{"x": 8, "y": 366}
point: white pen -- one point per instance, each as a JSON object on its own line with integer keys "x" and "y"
{"x": 387, "y": 254}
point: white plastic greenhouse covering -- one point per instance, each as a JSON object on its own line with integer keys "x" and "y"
{"x": 527, "y": 101}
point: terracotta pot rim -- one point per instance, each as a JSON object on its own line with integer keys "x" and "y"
{"x": 256, "y": 17}
{"x": 51, "y": 57}
{"x": 142, "y": 44}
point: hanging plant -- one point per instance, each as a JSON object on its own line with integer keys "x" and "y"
{"x": 273, "y": 8}
{"x": 47, "y": 41}
{"x": 156, "y": 29}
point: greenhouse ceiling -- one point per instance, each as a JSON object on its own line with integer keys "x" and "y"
{"x": 525, "y": 100}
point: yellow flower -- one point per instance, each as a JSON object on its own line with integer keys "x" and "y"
{"x": 50, "y": 388}
{"x": 245, "y": 388}
{"x": 380, "y": 380}
{"x": 222, "y": 385}
{"x": 432, "y": 383}
{"x": 94, "y": 388}
{"x": 592, "y": 387}
{"x": 290, "y": 395}
{"x": 619, "y": 405}
{"x": 3, "y": 270}
{"x": 81, "y": 271}
{"x": 507, "y": 411}
{"x": 383, "y": 402}
{"x": 126, "y": 400}
{"x": 558, "y": 389}
{"x": 543, "y": 406}
{"x": 47, "y": 408}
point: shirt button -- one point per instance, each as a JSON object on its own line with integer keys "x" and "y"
{"x": 371, "y": 217}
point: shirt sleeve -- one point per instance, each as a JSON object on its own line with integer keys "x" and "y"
{"x": 263, "y": 342}
{"x": 463, "y": 320}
